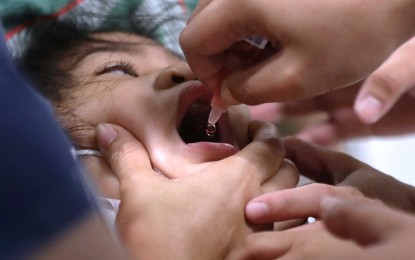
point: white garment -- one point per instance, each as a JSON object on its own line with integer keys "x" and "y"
{"x": 109, "y": 208}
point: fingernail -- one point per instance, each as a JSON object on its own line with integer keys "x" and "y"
{"x": 369, "y": 109}
{"x": 106, "y": 134}
{"x": 256, "y": 210}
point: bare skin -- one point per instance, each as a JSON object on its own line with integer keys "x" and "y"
{"x": 311, "y": 59}
{"x": 190, "y": 218}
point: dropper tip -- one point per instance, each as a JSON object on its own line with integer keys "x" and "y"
{"x": 215, "y": 114}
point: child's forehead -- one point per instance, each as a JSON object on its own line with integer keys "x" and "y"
{"x": 127, "y": 43}
{"x": 105, "y": 45}
{"x": 122, "y": 37}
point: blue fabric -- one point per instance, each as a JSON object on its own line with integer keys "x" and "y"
{"x": 42, "y": 191}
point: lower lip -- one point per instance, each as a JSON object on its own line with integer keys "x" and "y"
{"x": 220, "y": 150}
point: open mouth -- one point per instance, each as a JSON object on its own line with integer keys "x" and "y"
{"x": 194, "y": 109}
{"x": 193, "y": 126}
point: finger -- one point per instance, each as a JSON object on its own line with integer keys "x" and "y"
{"x": 259, "y": 83}
{"x": 264, "y": 154}
{"x": 286, "y": 177}
{"x": 292, "y": 244}
{"x": 366, "y": 223}
{"x": 270, "y": 112}
{"x": 301, "y": 202}
{"x": 320, "y": 164}
{"x": 328, "y": 102}
{"x": 341, "y": 124}
{"x": 325, "y": 133}
{"x": 205, "y": 40}
{"x": 200, "y": 6}
{"x": 264, "y": 245}
{"x": 125, "y": 154}
{"x": 386, "y": 85}
{"x": 204, "y": 45}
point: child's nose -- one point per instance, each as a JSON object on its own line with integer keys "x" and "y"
{"x": 173, "y": 76}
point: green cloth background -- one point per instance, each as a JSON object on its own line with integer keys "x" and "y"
{"x": 19, "y": 17}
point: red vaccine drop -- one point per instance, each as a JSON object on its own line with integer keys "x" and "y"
{"x": 210, "y": 129}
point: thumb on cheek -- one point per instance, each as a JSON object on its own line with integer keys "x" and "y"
{"x": 106, "y": 134}
{"x": 124, "y": 153}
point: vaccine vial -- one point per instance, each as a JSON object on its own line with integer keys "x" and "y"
{"x": 242, "y": 52}
{"x": 218, "y": 108}
{"x": 245, "y": 51}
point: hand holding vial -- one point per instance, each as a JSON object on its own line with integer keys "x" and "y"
{"x": 315, "y": 55}
{"x": 242, "y": 53}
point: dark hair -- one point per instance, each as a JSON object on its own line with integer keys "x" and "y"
{"x": 56, "y": 47}
{"x": 54, "y": 41}
{"x": 51, "y": 43}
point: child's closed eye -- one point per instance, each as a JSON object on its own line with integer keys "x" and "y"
{"x": 118, "y": 68}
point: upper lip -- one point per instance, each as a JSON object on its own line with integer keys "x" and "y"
{"x": 195, "y": 96}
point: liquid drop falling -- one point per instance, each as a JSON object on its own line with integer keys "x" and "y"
{"x": 210, "y": 129}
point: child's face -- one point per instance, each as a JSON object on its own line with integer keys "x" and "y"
{"x": 153, "y": 94}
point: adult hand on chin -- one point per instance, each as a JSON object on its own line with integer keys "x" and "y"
{"x": 200, "y": 216}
